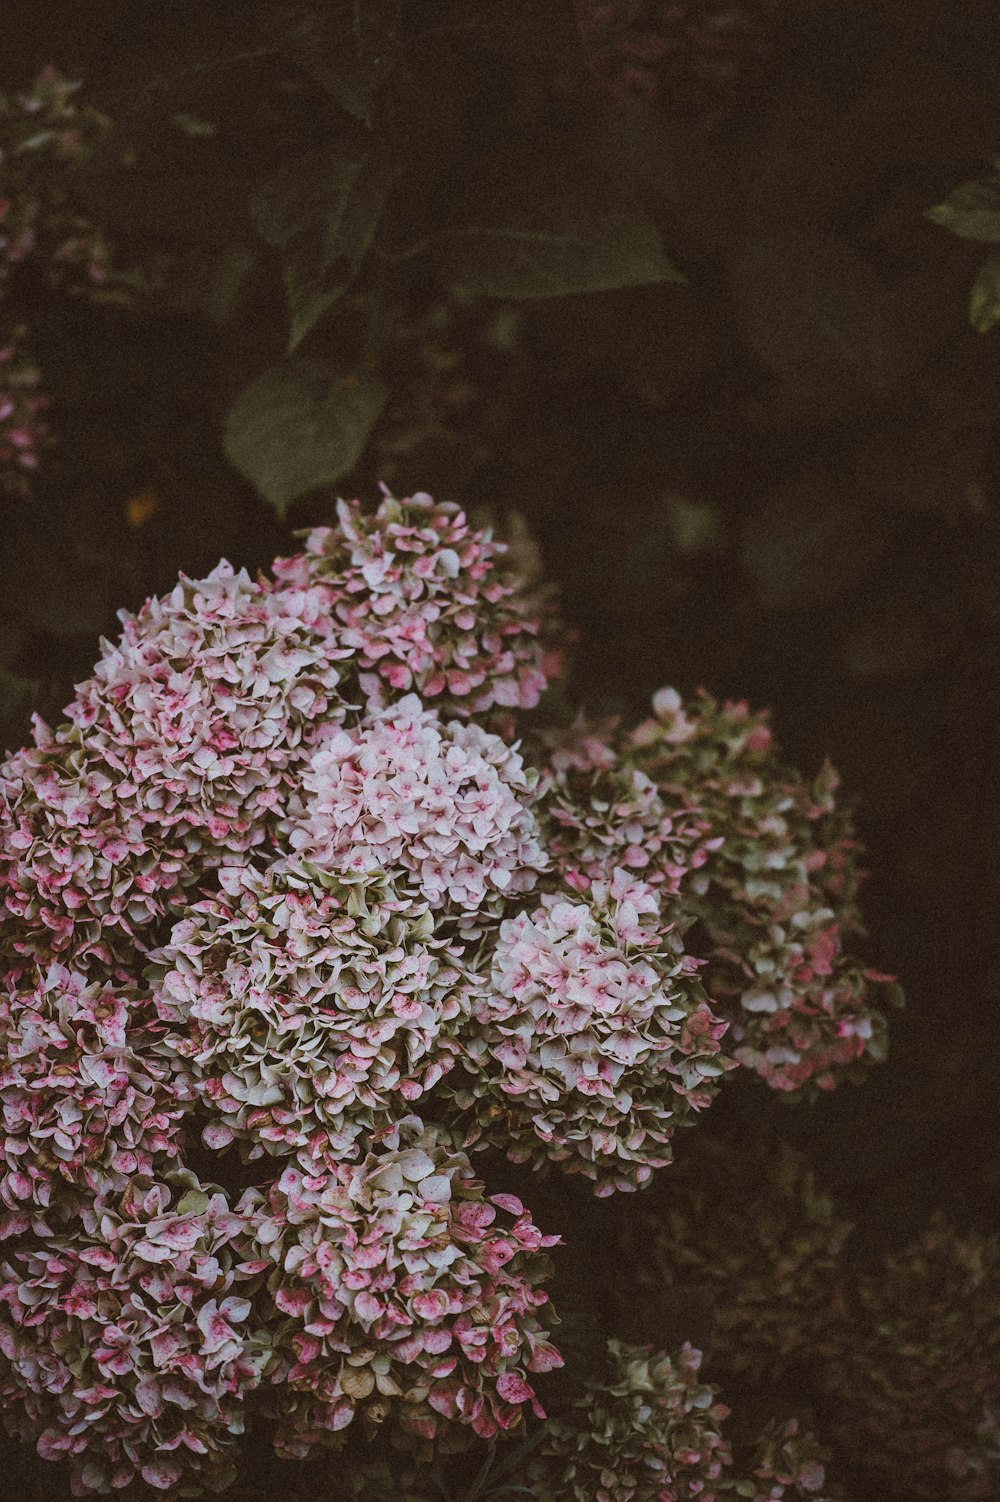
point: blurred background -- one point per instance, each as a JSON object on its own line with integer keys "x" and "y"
{"x": 703, "y": 291}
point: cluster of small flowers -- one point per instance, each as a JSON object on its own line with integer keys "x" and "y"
{"x": 917, "y": 1364}
{"x": 776, "y": 893}
{"x": 22, "y": 429}
{"x": 284, "y": 876}
{"x": 645, "y": 1430}
{"x": 305, "y": 1008}
{"x": 393, "y": 1279}
{"x": 789, "y": 1462}
{"x": 86, "y": 1104}
{"x": 450, "y": 804}
{"x": 425, "y": 604}
{"x": 129, "y": 1349}
{"x": 179, "y": 755}
{"x": 45, "y": 135}
{"x": 680, "y": 52}
{"x": 741, "y": 1232}
{"x": 593, "y": 1037}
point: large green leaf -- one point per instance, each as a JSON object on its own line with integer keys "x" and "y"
{"x": 815, "y": 313}
{"x": 984, "y": 304}
{"x": 533, "y": 228}
{"x": 321, "y": 213}
{"x": 300, "y": 426}
{"x": 348, "y": 46}
{"x": 972, "y": 211}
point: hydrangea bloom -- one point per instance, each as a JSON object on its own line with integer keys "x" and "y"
{"x": 593, "y": 1037}
{"x": 44, "y": 135}
{"x": 400, "y": 1291}
{"x": 179, "y": 754}
{"x": 645, "y": 1430}
{"x": 448, "y": 805}
{"x": 425, "y": 604}
{"x": 776, "y": 895}
{"x": 120, "y": 1117}
{"x": 788, "y": 1462}
{"x": 133, "y": 1350}
{"x": 83, "y": 873}
{"x": 306, "y": 1007}
{"x": 205, "y": 706}
{"x": 741, "y": 1232}
{"x": 605, "y": 817}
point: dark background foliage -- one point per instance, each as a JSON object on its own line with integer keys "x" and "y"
{"x": 668, "y": 289}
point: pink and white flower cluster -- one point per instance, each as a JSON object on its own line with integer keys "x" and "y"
{"x": 777, "y": 893}
{"x": 593, "y": 1035}
{"x": 305, "y": 1009}
{"x": 85, "y": 1104}
{"x": 284, "y": 879}
{"x": 397, "y": 1285}
{"x": 448, "y": 804}
{"x": 425, "y": 603}
{"x": 129, "y": 1348}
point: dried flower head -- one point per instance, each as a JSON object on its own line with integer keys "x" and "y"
{"x": 915, "y": 1364}
{"x": 776, "y": 894}
{"x": 741, "y": 1232}
{"x": 788, "y": 1463}
{"x": 645, "y": 1430}
{"x": 594, "y": 1037}
{"x": 304, "y": 1008}
{"x": 400, "y": 1293}
{"x": 425, "y": 605}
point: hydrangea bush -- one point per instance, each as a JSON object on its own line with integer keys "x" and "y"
{"x": 746, "y": 1236}
{"x": 299, "y": 909}
{"x": 913, "y": 1369}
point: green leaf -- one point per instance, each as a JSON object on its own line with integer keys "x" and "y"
{"x": 815, "y": 313}
{"x": 971, "y": 211}
{"x": 984, "y": 304}
{"x": 321, "y": 212}
{"x": 479, "y": 1480}
{"x": 348, "y": 46}
{"x": 300, "y": 426}
{"x": 515, "y": 1458}
{"x": 547, "y": 228}
{"x": 193, "y": 1202}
